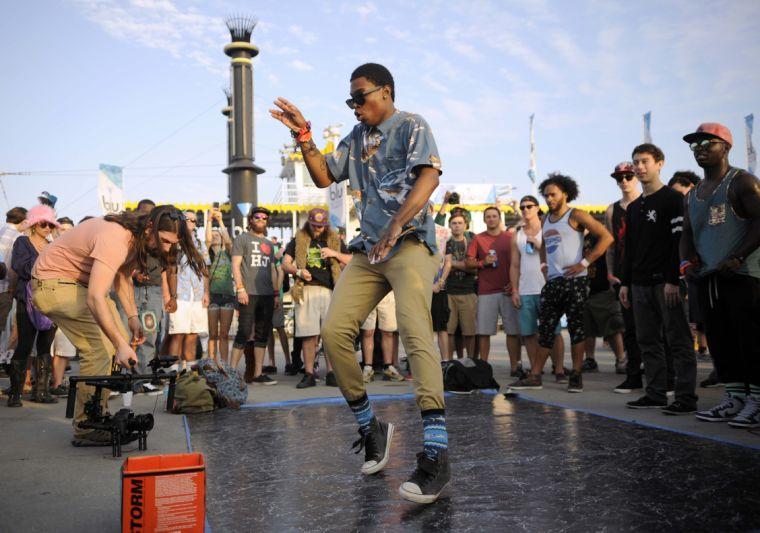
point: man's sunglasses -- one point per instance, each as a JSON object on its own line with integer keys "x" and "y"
{"x": 626, "y": 177}
{"x": 259, "y": 216}
{"x": 704, "y": 143}
{"x": 527, "y": 206}
{"x": 358, "y": 99}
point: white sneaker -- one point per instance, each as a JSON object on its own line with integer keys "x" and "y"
{"x": 749, "y": 417}
{"x": 724, "y": 411}
{"x": 391, "y": 374}
{"x": 368, "y": 374}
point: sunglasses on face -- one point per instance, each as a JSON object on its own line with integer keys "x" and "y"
{"x": 626, "y": 177}
{"x": 45, "y": 225}
{"x": 358, "y": 99}
{"x": 193, "y": 220}
{"x": 259, "y": 216}
{"x": 704, "y": 143}
{"x": 527, "y": 207}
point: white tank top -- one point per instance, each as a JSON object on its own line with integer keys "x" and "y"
{"x": 531, "y": 277}
{"x": 564, "y": 245}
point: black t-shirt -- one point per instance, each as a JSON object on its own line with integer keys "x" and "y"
{"x": 597, "y": 271}
{"x": 460, "y": 282}
{"x": 618, "y": 232}
{"x": 318, "y": 268}
{"x": 153, "y": 271}
{"x": 654, "y": 227}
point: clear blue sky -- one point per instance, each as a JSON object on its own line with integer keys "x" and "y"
{"x": 101, "y": 81}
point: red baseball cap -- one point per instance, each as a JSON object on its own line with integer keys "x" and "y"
{"x": 319, "y": 217}
{"x": 626, "y": 167}
{"x": 710, "y": 130}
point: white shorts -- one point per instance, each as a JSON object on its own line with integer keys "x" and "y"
{"x": 311, "y": 312}
{"x": 190, "y": 317}
{"x": 383, "y": 317}
{"x": 62, "y": 346}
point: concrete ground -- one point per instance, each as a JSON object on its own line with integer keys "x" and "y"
{"x": 47, "y": 485}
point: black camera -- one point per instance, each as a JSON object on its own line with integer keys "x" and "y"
{"x": 454, "y": 198}
{"x": 125, "y": 426}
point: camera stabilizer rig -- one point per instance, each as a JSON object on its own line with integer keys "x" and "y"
{"x": 125, "y": 426}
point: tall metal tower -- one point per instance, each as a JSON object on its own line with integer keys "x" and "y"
{"x": 242, "y": 170}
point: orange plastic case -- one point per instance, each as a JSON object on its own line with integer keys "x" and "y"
{"x": 163, "y": 493}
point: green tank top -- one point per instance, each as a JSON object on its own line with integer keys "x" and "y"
{"x": 220, "y": 281}
{"x": 718, "y": 231}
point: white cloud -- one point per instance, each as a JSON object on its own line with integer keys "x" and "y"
{"x": 303, "y": 35}
{"x": 300, "y": 65}
{"x": 434, "y": 84}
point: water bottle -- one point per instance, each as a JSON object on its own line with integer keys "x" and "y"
{"x": 492, "y": 253}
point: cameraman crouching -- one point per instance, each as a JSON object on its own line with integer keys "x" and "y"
{"x": 73, "y": 276}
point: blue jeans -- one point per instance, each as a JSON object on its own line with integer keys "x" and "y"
{"x": 147, "y": 299}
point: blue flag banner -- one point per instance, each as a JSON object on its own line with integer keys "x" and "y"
{"x": 110, "y": 189}
{"x": 751, "y": 154}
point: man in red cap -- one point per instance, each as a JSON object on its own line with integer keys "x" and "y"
{"x": 614, "y": 219}
{"x": 314, "y": 257}
{"x": 719, "y": 252}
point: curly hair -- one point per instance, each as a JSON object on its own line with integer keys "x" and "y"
{"x": 685, "y": 178}
{"x": 565, "y": 183}
{"x": 377, "y": 74}
{"x": 162, "y": 218}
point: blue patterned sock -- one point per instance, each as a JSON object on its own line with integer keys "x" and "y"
{"x": 363, "y": 412}
{"x": 434, "y": 432}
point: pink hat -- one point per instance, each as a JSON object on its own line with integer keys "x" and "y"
{"x": 711, "y": 130}
{"x": 41, "y": 213}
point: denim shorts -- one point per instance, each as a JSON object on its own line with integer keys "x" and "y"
{"x": 222, "y": 301}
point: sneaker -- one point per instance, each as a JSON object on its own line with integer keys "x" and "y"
{"x": 60, "y": 391}
{"x": 391, "y": 374}
{"x": 263, "y": 379}
{"x": 712, "y": 381}
{"x": 308, "y": 380}
{"x": 590, "y": 365}
{"x": 518, "y": 372}
{"x": 749, "y": 416}
{"x": 724, "y": 411}
{"x": 679, "y": 408}
{"x": 560, "y": 378}
{"x": 620, "y": 367}
{"x": 529, "y": 382}
{"x": 269, "y": 369}
{"x": 151, "y": 390}
{"x": 368, "y": 374}
{"x": 428, "y": 480}
{"x": 575, "y": 382}
{"x": 629, "y": 385}
{"x": 330, "y": 380}
{"x": 291, "y": 370}
{"x": 113, "y": 394}
{"x": 377, "y": 446}
{"x": 645, "y": 402}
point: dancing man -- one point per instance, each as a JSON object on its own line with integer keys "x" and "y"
{"x": 391, "y": 161}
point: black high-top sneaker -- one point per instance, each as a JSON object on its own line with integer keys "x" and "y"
{"x": 377, "y": 446}
{"x": 428, "y": 479}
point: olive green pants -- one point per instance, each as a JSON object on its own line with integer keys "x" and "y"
{"x": 361, "y": 286}
{"x": 64, "y": 301}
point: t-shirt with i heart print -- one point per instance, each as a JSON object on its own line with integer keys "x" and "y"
{"x": 256, "y": 266}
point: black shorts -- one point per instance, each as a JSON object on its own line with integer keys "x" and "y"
{"x": 439, "y": 310}
{"x": 256, "y": 316}
{"x": 222, "y": 301}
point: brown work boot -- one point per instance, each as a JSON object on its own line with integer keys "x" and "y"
{"x": 250, "y": 362}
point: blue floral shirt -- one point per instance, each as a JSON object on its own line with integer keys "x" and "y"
{"x": 381, "y": 164}
{"x": 190, "y": 285}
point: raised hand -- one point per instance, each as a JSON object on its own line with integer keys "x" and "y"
{"x": 288, "y": 114}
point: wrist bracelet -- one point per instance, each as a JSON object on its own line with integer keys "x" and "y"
{"x": 240, "y": 290}
{"x": 685, "y": 265}
{"x": 585, "y": 262}
{"x": 303, "y": 135}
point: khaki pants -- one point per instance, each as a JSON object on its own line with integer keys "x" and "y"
{"x": 64, "y": 301}
{"x": 360, "y": 288}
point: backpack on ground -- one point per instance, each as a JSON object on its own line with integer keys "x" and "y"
{"x": 192, "y": 394}
{"x": 467, "y": 375}
{"x": 230, "y": 388}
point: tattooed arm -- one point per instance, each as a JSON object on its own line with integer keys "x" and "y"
{"x": 289, "y": 115}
